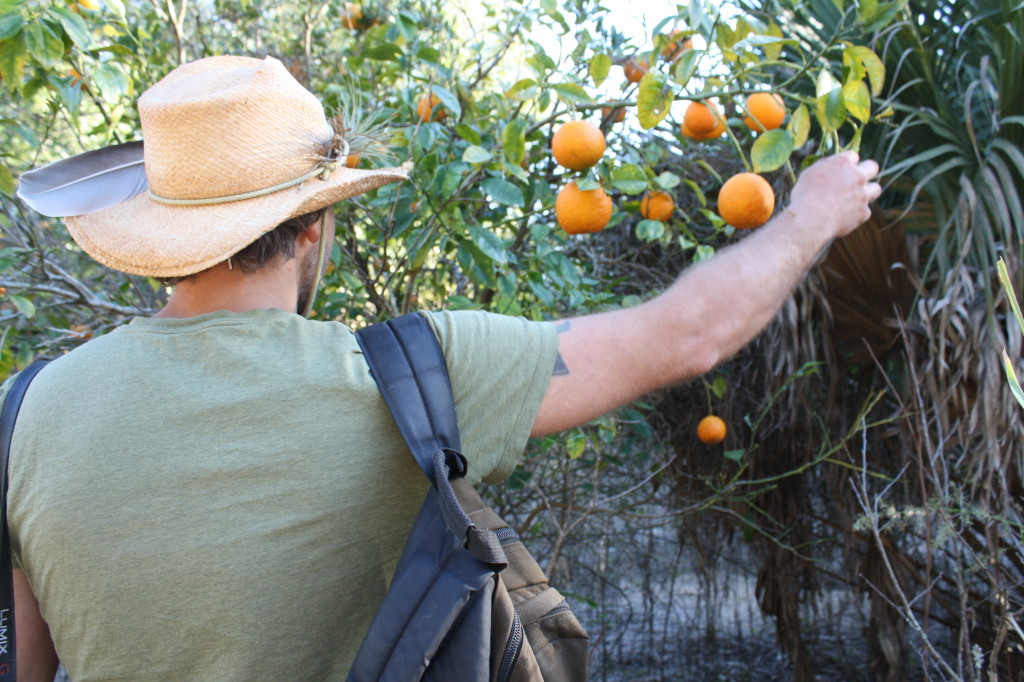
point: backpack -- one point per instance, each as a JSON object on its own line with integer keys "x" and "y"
{"x": 467, "y": 603}
{"x": 8, "y": 415}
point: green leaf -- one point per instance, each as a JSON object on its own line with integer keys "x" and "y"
{"x": 462, "y": 303}
{"x": 629, "y": 179}
{"x": 450, "y": 101}
{"x": 523, "y": 89}
{"x": 24, "y": 306}
{"x": 490, "y": 243}
{"x": 799, "y": 126}
{"x": 74, "y": 26}
{"x": 383, "y": 52}
{"x": 1011, "y": 377}
{"x": 503, "y": 191}
{"x": 467, "y": 133}
{"x": 111, "y": 81}
{"x": 117, "y": 7}
{"x": 735, "y": 455}
{"x": 667, "y": 180}
{"x": 476, "y": 154}
{"x": 12, "y": 61}
{"x": 830, "y": 108}
{"x": 650, "y": 230}
{"x": 428, "y": 54}
{"x": 600, "y": 66}
{"x": 773, "y": 50}
{"x": 7, "y": 182}
{"x": 653, "y": 100}
{"x": 771, "y": 150}
{"x": 1011, "y": 295}
{"x": 571, "y": 92}
{"x": 588, "y": 183}
{"x": 43, "y": 44}
{"x": 685, "y": 67}
{"x": 513, "y": 140}
{"x": 874, "y": 66}
{"x": 10, "y": 24}
{"x": 857, "y": 100}
{"x": 719, "y": 386}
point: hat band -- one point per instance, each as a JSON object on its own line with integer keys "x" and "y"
{"x": 324, "y": 169}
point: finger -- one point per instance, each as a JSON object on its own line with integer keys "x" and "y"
{"x": 868, "y": 168}
{"x": 874, "y": 190}
{"x": 853, "y": 156}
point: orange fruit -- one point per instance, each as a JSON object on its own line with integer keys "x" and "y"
{"x": 746, "y": 200}
{"x": 634, "y": 69}
{"x": 352, "y": 16}
{"x": 711, "y": 430}
{"x": 578, "y": 145}
{"x": 657, "y": 205}
{"x": 429, "y": 108}
{"x": 613, "y": 114}
{"x": 91, "y": 5}
{"x": 714, "y": 133}
{"x": 580, "y": 211}
{"x": 76, "y": 79}
{"x": 352, "y": 161}
{"x": 702, "y": 117}
{"x": 3, "y": 291}
{"x": 676, "y": 46}
{"x": 765, "y": 111}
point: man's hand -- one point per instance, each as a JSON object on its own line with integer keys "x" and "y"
{"x": 714, "y": 309}
{"x": 834, "y": 194}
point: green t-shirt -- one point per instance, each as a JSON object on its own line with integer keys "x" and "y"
{"x": 225, "y": 497}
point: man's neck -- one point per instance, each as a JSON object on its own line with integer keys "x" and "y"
{"x": 222, "y": 288}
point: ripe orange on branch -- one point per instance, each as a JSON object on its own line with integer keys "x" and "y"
{"x": 677, "y": 45}
{"x": 711, "y": 430}
{"x": 429, "y": 108}
{"x": 657, "y": 205}
{"x": 613, "y": 114}
{"x": 634, "y": 69}
{"x": 581, "y": 211}
{"x": 715, "y": 132}
{"x": 578, "y": 145}
{"x": 765, "y": 111}
{"x": 703, "y": 117}
{"x": 746, "y": 200}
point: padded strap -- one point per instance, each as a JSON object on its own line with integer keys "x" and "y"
{"x": 410, "y": 369}
{"x": 8, "y": 416}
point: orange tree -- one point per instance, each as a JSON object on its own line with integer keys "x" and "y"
{"x": 473, "y": 96}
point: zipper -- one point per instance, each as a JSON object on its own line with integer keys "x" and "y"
{"x": 506, "y": 536}
{"x": 512, "y": 648}
{"x": 562, "y": 607}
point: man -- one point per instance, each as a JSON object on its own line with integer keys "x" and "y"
{"x": 218, "y": 493}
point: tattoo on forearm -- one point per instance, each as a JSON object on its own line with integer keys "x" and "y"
{"x": 561, "y": 369}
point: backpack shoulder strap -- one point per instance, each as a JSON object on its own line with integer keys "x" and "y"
{"x": 8, "y": 416}
{"x": 410, "y": 370}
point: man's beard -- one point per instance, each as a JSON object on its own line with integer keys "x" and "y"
{"x": 306, "y": 282}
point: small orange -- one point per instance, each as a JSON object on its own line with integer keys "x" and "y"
{"x": 578, "y": 145}
{"x": 429, "y": 108}
{"x": 352, "y": 16}
{"x": 715, "y": 132}
{"x": 580, "y": 211}
{"x": 3, "y": 291}
{"x": 746, "y": 200}
{"x": 352, "y": 161}
{"x": 765, "y": 110}
{"x": 657, "y": 205}
{"x": 675, "y": 47}
{"x": 711, "y": 430}
{"x": 634, "y": 69}
{"x": 91, "y": 5}
{"x": 613, "y": 114}
{"x": 702, "y": 117}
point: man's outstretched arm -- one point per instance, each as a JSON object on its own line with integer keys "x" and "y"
{"x": 715, "y": 307}
{"x": 37, "y": 659}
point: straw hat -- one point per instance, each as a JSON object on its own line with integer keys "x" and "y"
{"x": 233, "y": 147}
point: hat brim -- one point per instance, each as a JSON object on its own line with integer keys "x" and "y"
{"x": 145, "y": 237}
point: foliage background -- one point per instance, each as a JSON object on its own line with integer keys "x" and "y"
{"x": 863, "y": 516}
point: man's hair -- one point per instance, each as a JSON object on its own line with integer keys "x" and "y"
{"x": 278, "y": 243}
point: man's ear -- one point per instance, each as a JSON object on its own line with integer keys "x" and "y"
{"x": 311, "y": 233}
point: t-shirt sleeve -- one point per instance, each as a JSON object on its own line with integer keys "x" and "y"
{"x": 499, "y": 367}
